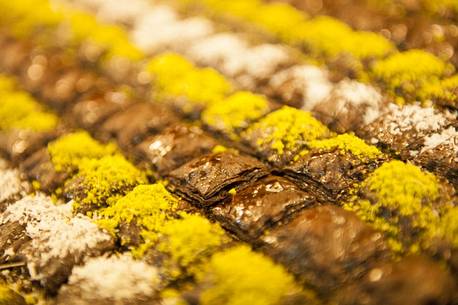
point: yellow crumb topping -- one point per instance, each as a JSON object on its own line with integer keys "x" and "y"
{"x": 19, "y": 110}
{"x": 177, "y": 78}
{"x": 348, "y": 143}
{"x": 239, "y": 276}
{"x": 286, "y": 129}
{"x": 188, "y": 242}
{"x": 235, "y": 112}
{"x": 330, "y": 37}
{"x": 149, "y": 206}
{"x": 102, "y": 181}
{"x": 410, "y": 72}
{"x": 278, "y": 18}
{"x": 402, "y": 201}
{"x": 68, "y": 151}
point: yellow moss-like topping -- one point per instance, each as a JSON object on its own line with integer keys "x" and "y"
{"x": 242, "y": 9}
{"x": 104, "y": 180}
{"x": 20, "y": 111}
{"x": 116, "y": 41}
{"x": 150, "y": 206}
{"x": 22, "y": 21}
{"x": 439, "y": 6}
{"x": 445, "y": 90}
{"x": 403, "y": 202}
{"x": 348, "y": 143}
{"x": 410, "y": 71}
{"x": 448, "y": 227}
{"x": 7, "y": 296}
{"x": 168, "y": 64}
{"x": 80, "y": 24}
{"x": 286, "y": 129}
{"x": 68, "y": 151}
{"x": 239, "y": 276}
{"x": 177, "y": 78}
{"x": 6, "y": 84}
{"x": 113, "y": 39}
{"x": 279, "y": 19}
{"x": 235, "y": 112}
{"x": 188, "y": 242}
{"x": 368, "y": 45}
{"x": 330, "y": 37}
{"x": 218, "y": 149}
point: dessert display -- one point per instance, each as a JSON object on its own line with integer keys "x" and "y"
{"x": 206, "y": 152}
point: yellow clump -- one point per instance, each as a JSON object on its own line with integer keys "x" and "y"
{"x": 6, "y": 84}
{"x": 116, "y": 41}
{"x": 113, "y": 39}
{"x": 19, "y": 110}
{"x": 177, "y": 78}
{"x": 329, "y": 37}
{"x": 286, "y": 129}
{"x": 9, "y": 297}
{"x": 279, "y": 19}
{"x": 445, "y": 91}
{"x": 348, "y": 143}
{"x": 410, "y": 71}
{"x": 168, "y": 64}
{"x": 448, "y": 227}
{"x": 102, "y": 181}
{"x": 23, "y": 22}
{"x": 80, "y": 24}
{"x": 235, "y": 112}
{"x": 319, "y": 35}
{"x": 439, "y": 6}
{"x": 218, "y": 149}
{"x": 368, "y": 45}
{"x": 68, "y": 151}
{"x": 242, "y": 9}
{"x": 402, "y": 202}
{"x": 188, "y": 242}
{"x": 150, "y": 206}
{"x": 239, "y": 276}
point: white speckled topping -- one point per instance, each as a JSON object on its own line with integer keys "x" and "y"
{"x": 312, "y": 81}
{"x": 183, "y": 33}
{"x": 10, "y": 184}
{"x": 414, "y": 117}
{"x": 115, "y": 278}
{"x": 448, "y": 137}
{"x": 54, "y": 232}
{"x": 32, "y": 209}
{"x": 350, "y": 92}
{"x": 222, "y": 51}
{"x": 263, "y": 60}
{"x": 122, "y": 11}
{"x": 172, "y": 34}
{"x": 146, "y": 27}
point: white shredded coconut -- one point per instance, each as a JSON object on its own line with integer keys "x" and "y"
{"x": 222, "y": 51}
{"x": 55, "y": 233}
{"x": 448, "y": 137}
{"x": 414, "y": 117}
{"x": 161, "y": 29}
{"x": 115, "y": 278}
{"x": 34, "y": 208}
{"x": 10, "y": 184}
{"x": 358, "y": 94}
{"x": 122, "y": 11}
{"x": 262, "y": 61}
{"x": 312, "y": 81}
